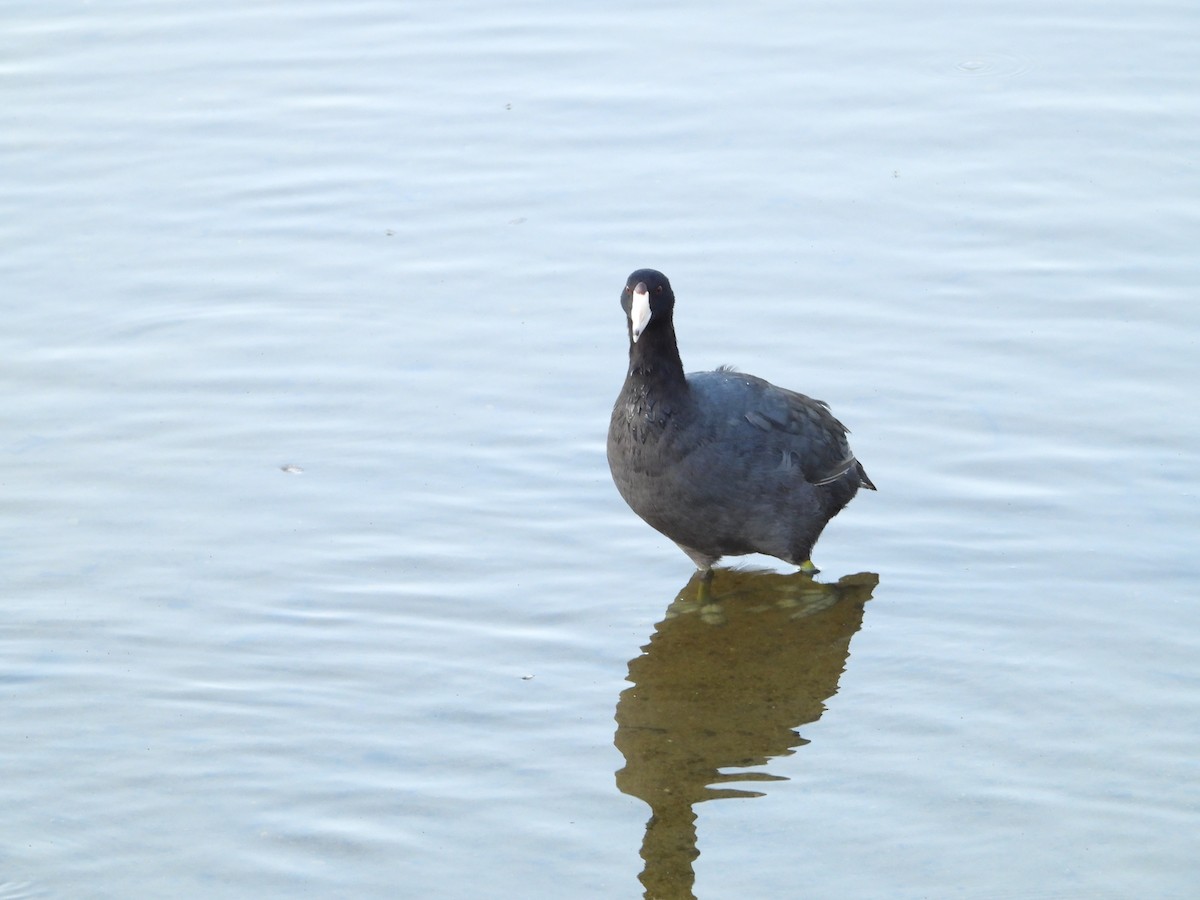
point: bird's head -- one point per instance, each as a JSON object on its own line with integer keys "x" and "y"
{"x": 647, "y": 298}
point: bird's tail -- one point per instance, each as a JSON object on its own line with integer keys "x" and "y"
{"x": 863, "y": 479}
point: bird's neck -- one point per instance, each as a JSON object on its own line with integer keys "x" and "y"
{"x": 655, "y": 358}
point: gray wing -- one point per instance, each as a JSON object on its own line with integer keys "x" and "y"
{"x": 802, "y": 430}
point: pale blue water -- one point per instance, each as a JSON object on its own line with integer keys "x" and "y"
{"x": 314, "y": 582}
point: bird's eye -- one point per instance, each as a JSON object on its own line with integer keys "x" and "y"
{"x": 658, "y": 289}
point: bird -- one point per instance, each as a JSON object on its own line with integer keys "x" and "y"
{"x": 722, "y": 463}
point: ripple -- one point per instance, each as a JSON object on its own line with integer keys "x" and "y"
{"x": 990, "y": 65}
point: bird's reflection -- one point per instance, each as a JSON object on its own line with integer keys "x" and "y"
{"x": 736, "y": 665}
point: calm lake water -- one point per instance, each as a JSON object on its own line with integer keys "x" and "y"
{"x": 314, "y": 581}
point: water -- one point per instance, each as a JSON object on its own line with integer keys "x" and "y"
{"x": 314, "y": 580}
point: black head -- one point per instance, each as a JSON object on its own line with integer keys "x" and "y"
{"x": 647, "y": 298}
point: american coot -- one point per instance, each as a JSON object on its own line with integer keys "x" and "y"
{"x": 720, "y": 462}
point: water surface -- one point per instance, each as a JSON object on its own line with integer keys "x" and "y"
{"x": 314, "y": 580}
